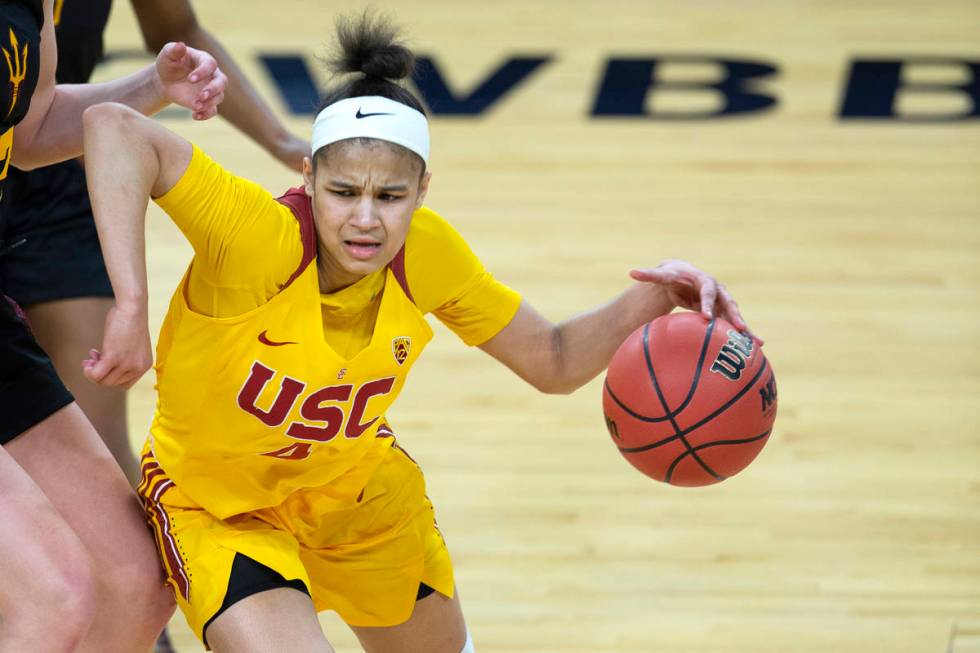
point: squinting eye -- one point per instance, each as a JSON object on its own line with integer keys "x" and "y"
{"x": 342, "y": 193}
{"x": 385, "y": 197}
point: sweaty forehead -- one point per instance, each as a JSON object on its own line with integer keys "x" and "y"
{"x": 368, "y": 153}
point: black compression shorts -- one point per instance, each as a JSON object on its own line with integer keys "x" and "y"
{"x": 51, "y": 247}
{"x": 30, "y": 390}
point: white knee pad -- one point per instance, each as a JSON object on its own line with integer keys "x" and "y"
{"x": 468, "y": 646}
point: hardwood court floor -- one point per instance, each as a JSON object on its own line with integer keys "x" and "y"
{"x": 851, "y": 246}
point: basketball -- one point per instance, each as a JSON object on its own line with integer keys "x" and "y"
{"x": 689, "y": 401}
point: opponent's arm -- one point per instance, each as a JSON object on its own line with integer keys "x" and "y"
{"x": 174, "y": 20}
{"x": 560, "y": 358}
{"x": 52, "y": 130}
{"x": 128, "y": 158}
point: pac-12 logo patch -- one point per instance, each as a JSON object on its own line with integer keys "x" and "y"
{"x": 400, "y": 347}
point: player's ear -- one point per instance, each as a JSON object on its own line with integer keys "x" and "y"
{"x": 423, "y": 188}
{"x": 308, "y": 175}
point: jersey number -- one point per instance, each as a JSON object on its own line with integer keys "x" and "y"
{"x": 325, "y": 411}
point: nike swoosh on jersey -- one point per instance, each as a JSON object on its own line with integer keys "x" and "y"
{"x": 360, "y": 115}
{"x": 272, "y": 343}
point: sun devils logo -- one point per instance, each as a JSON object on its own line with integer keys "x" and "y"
{"x": 16, "y": 66}
{"x": 400, "y": 347}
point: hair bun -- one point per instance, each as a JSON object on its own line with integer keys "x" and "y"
{"x": 369, "y": 44}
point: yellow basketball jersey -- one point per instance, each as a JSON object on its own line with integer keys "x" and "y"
{"x": 254, "y": 407}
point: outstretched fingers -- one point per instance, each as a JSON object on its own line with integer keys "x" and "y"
{"x": 693, "y": 289}
{"x": 708, "y": 291}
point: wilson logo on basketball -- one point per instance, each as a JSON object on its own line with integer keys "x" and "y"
{"x": 400, "y": 347}
{"x": 731, "y": 359}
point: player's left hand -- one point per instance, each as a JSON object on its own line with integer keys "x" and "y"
{"x": 689, "y": 287}
{"x": 191, "y": 78}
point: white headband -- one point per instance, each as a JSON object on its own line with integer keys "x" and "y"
{"x": 372, "y": 116}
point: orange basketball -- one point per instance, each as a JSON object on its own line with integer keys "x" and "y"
{"x": 689, "y": 401}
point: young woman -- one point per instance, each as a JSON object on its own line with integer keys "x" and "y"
{"x": 68, "y": 584}
{"x": 271, "y": 476}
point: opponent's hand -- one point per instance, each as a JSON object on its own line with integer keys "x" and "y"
{"x": 694, "y": 289}
{"x": 191, "y": 78}
{"x": 126, "y": 352}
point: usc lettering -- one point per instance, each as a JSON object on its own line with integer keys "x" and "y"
{"x": 324, "y": 412}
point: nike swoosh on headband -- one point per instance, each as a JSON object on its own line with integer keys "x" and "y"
{"x": 360, "y": 115}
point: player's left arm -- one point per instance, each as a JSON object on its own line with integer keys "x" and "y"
{"x": 560, "y": 358}
{"x": 171, "y": 20}
{"x": 52, "y": 129}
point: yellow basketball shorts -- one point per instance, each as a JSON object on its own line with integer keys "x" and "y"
{"x": 363, "y": 559}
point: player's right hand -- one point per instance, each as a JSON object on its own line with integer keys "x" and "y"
{"x": 126, "y": 351}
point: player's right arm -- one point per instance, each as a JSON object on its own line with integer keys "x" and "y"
{"x": 128, "y": 158}
{"x": 230, "y": 222}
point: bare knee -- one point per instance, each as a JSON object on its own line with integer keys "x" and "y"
{"x": 137, "y": 593}
{"x": 56, "y": 607}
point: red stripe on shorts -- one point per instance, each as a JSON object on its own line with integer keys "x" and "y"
{"x": 152, "y": 487}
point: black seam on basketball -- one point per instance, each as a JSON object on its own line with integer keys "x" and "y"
{"x": 689, "y": 452}
{"x": 663, "y": 404}
{"x": 697, "y": 371}
{"x": 647, "y": 447}
{"x": 715, "y": 443}
{"x": 670, "y": 470}
{"x": 619, "y": 403}
{"x": 728, "y": 404}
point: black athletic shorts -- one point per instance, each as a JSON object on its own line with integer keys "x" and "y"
{"x": 30, "y": 390}
{"x": 51, "y": 247}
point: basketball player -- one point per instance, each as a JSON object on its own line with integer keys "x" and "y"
{"x": 54, "y": 268}
{"x": 271, "y": 476}
{"x": 68, "y": 584}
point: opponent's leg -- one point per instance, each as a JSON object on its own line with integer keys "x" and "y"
{"x": 67, "y": 460}
{"x": 281, "y": 619}
{"x": 67, "y": 329}
{"x": 47, "y": 596}
{"x": 436, "y": 626}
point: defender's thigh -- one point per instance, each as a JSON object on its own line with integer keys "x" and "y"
{"x": 67, "y": 460}
{"x": 47, "y": 576}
